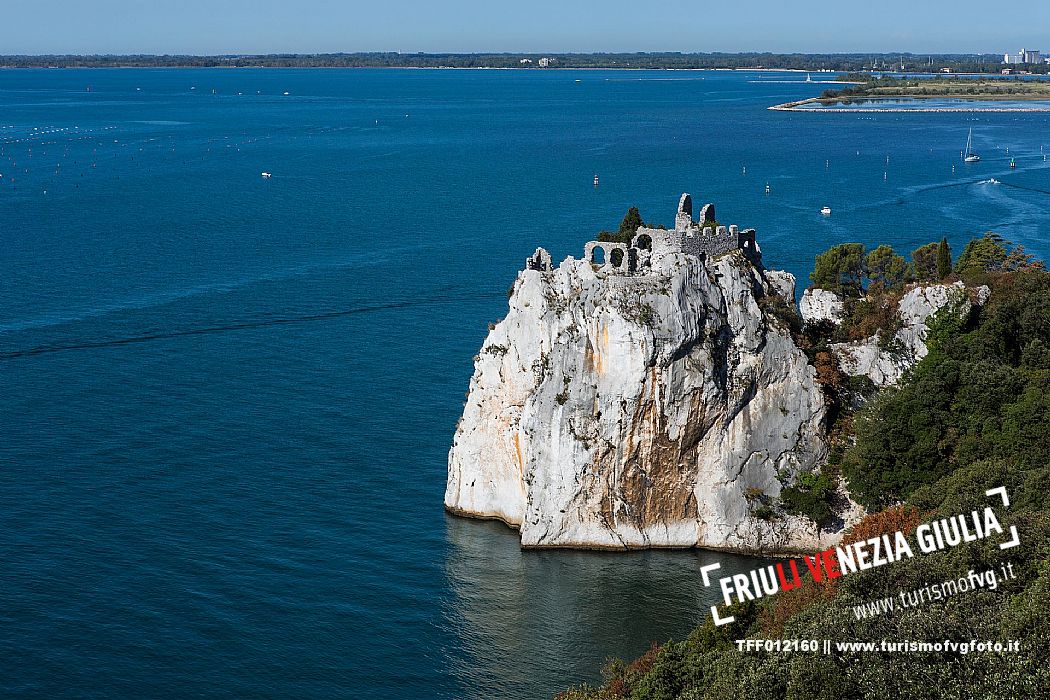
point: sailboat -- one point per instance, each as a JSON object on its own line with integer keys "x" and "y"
{"x": 969, "y": 156}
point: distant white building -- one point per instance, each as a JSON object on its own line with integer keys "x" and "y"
{"x": 545, "y": 62}
{"x": 1022, "y": 56}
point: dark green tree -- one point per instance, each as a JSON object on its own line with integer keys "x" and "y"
{"x": 926, "y": 262}
{"x": 628, "y": 227}
{"x": 944, "y": 259}
{"x": 886, "y": 268}
{"x": 631, "y": 221}
{"x": 984, "y": 254}
{"x": 840, "y": 269}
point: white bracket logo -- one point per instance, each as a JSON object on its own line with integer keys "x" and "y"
{"x": 704, "y": 571}
{"x": 1015, "y": 538}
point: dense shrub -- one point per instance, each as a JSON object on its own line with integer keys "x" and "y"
{"x": 980, "y": 393}
{"x": 809, "y": 496}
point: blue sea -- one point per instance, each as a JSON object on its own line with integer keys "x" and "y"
{"x": 226, "y": 401}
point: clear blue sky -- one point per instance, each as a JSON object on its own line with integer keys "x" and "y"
{"x": 265, "y": 26}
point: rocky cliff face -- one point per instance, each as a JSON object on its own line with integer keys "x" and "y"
{"x": 818, "y": 305}
{"x": 886, "y": 363}
{"x": 628, "y": 411}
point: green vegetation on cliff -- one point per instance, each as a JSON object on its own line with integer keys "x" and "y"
{"x": 974, "y": 414}
{"x": 631, "y": 221}
{"x": 981, "y": 393}
{"x": 628, "y": 227}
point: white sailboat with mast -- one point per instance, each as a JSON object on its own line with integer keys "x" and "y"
{"x": 969, "y": 156}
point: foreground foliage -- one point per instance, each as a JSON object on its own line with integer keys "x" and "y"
{"x": 981, "y": 393}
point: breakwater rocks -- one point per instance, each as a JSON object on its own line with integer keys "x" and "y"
{"x": 651, "y": 400}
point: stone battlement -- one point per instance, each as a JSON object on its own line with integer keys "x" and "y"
{"x": 701, "y": 238}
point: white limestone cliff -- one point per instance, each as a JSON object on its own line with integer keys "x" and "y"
{"x": 886, "y": 363}
{"x": 782, "y": 283}
{"x": 818, "y": 305}
{"x": 629, "y": 411}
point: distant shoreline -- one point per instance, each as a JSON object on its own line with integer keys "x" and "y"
{"x": 957, "y": 63}
{"x": 873, "y": 101}
{"x": 500, "y": 68}
{"x": 796, "y": 106}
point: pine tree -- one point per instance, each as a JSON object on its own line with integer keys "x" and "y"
{"x": 631, "y": 221}
{"x": 841, "y": 269}
{"x": 924, "y": 262}
{"x": 886, "y": 267}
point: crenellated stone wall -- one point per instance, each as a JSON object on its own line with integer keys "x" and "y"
{"x": 648, "y": 245}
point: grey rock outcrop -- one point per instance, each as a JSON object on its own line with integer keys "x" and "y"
{"x": 886, "y": 363}
{"x": 869, "y": 358}
{"x": 819, "y": 305}
{"x": 783, "y": 283}
{"x": 653, "y": 410}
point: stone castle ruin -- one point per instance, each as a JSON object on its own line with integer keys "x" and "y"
{"x": 702, "y": 239}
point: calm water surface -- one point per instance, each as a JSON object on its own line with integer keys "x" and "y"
{"x": 227, "y": 400}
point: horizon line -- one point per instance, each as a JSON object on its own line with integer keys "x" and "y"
{"x": 257, "y": 54}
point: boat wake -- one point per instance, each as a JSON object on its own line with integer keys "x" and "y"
{"x": 244, "y": 325}
{"x": 1022, "y": 187}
